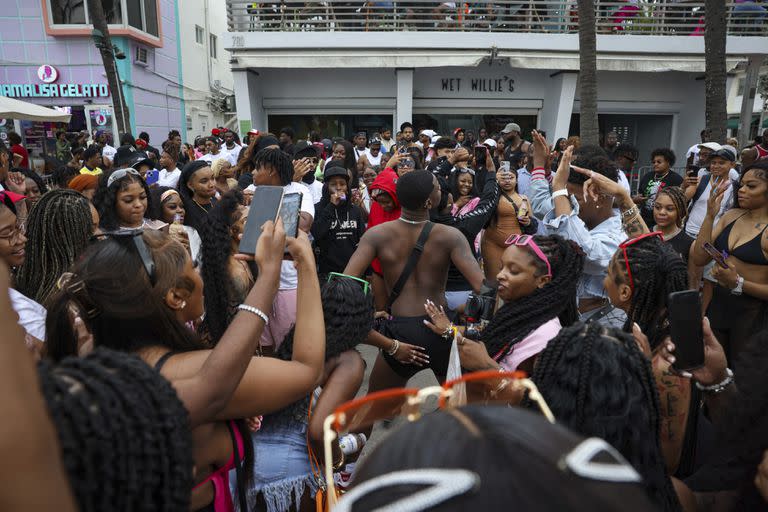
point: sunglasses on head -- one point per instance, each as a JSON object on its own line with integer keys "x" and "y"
{"x": 136, "y": 237}
{"x": 337, "y": 275}
{"x": 120, "y": 174}
{"x": 479, "y": 387}
{"x": 527, "y": 241}
{"x": 630, "y": 242}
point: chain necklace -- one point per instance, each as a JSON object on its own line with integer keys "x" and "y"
{"x": 413, "y": 222}
{"x": 200, "y": 206}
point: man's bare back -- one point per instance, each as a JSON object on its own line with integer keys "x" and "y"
{"x": 392, "y": 242}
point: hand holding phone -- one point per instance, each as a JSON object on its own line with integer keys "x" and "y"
{"x": 685, "y": 319}
{"x": 718, "y": 256}
{"x": 265, "y": 206}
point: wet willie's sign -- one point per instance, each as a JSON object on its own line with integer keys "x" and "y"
{"x": 501, "y": 85}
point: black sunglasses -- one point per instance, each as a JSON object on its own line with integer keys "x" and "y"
{"x": 135, "y": 235}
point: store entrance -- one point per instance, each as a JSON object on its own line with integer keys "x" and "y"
{"x": 329, "y": 126}
{"x": 445, "y": 124}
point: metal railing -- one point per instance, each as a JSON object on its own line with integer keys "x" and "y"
{"x": 649, "y": 17}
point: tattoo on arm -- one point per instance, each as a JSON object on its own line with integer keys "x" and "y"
{"x": 635, "y": 226}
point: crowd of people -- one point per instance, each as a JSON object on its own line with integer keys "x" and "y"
{"x": 150, "y": 365}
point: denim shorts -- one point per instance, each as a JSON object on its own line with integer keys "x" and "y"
{"x": 281, "y": 470}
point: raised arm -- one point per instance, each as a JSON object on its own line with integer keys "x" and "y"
{"x": 707, "y": 232}
{"x": 207, "y": 391}
{"x": 28, "y": 442}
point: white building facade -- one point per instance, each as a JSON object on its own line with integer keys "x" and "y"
{"x": 340, "y": 81}
{"x": 208, "y": 83}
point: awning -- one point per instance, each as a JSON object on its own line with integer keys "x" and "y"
{"x": 16, "y": 109}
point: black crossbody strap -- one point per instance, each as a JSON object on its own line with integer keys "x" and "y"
{"x": 410, "y": 265}
{"x": 240, "y": 478}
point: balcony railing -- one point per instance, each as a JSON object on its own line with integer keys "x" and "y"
{"x": 650, "y": 17}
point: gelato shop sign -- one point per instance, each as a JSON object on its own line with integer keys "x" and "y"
{"x": 48, "y": 89}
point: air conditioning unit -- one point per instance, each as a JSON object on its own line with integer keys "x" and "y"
{"x": 141, "y": 57}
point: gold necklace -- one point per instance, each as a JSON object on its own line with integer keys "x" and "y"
{"x": 200, "y": 206}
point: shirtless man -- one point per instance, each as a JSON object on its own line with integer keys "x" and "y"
{"x": 392, "y": 242}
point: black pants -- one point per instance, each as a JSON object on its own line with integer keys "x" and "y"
{"x": 411, "y": 329}
{"x": 735, "y": 319}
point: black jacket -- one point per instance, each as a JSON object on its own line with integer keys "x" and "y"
{"x": 337, "y": 231}
{"x": 470, "y": 224}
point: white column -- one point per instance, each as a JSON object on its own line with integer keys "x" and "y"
{"x": 748, "y": 99}
{"x": 404, "y": 78}
{"x": 250, "y": 112}
{"x": 555, "y": 116}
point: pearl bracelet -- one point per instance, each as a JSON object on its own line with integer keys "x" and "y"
{"x": 720, "y": 386}
{"x": 256, "y": 311}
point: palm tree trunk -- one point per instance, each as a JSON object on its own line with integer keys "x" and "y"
{"x": 715, "y": 16}
{"x": 589, "y": 130}
{"x": 121, "y": 112}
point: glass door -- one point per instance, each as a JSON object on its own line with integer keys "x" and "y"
{"x": 100, "y": 117}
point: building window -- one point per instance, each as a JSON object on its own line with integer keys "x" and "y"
{"x": 140, "y": 14}
{"x": 212, "y": 44}
{"x": 189, "y": 123}
{"x": 141, "y": 56}
{"x": 199, "y": 34}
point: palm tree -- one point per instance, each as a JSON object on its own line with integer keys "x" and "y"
{"x": 588, "y": 127}
{"x": 104, "y": 44}
{"x": 715, "y": 28}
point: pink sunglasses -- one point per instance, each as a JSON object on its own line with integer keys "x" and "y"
{"x": 527, "y": 241}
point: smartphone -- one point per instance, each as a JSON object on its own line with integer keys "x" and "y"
{"x": 264, "y": 206}
{"x": 685, "y": 318}
{"x": 504, "y": 166}
{"x": 290, "y": 209}
{"x": 480, "y": 152}
{"x": 692, "y": 171}
{"x": 718, "y": 256}
{"x": 152, "y": 177}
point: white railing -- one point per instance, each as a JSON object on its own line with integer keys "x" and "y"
{"x": 651, "y": 17}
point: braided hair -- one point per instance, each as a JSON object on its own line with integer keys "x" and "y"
{"x": 105, "y": 199}
{"x": 58, "y": 230}
{"x": 348, "y": 314}
{"x": 124, "y": 434}
{"x": 517, "y": 319}
{"x": 598, "y": 383}
{"x": 677, "y": 196}
{"x": 216, "y": 251}
{"x": 276, "y": 159}
{"x": 657, "y": 270}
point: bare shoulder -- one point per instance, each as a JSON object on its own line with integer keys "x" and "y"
{"x": 448, "y": 234}
{"x": 731, "y": 215}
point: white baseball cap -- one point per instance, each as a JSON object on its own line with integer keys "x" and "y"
{"x": 490, "y": 142}
{"x": 714, "y": 146}
{"x": 428, "y": 133}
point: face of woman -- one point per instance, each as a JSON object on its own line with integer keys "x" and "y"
{"x": 95, "y": 220}
{"x": 33, "y": 192}
{"x": 664, "y": 211}
{"x": 339, "y": 153}
{"x": 194, "y": 307}
{"x": 239, "y": 225}
{"x": 89, "y": 193}
{"x": 368, "y": 177}
{"x": 562, "y": 145}
{"x": 202, "y": 185}
{"x": 753, "y": 193}
{"x": 385, "y": 201}
{"x": 465, "y": 183}
{"x": 12, "y": 240}
{"x": 171, "y": 207}
{"x": 507, "y": 181}
{"x": 337, "y": 184}
{"x": 131, "y": 205}
{"x": 517, "y": 278}
{"x": 619, "y": 292}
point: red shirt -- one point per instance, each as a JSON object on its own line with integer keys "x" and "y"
{"x": 18, "y": 149}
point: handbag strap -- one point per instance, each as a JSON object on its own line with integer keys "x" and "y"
{"x": 410, "y": 265}
{"x": 238, "y": 470}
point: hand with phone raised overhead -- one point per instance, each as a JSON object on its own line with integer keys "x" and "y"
{"x": 715, "y": 362}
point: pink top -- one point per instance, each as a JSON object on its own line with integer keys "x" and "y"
{"x": 531, "y": 345}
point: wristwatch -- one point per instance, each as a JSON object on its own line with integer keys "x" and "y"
{"x": 739, "y": 286}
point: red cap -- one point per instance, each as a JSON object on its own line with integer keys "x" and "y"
{"x": 215, "y": 132}
{"x": 141, "y": 143}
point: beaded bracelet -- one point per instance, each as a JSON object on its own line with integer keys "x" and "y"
{"x": 256, "y": 311}
{"x": 720, "y": 386}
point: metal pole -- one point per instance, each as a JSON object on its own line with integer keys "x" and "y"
{"x": 748, "y": 98}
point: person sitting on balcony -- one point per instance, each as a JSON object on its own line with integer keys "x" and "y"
{"x": 749, "y": 12}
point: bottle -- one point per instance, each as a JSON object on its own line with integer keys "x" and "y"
{"x": 352, "y": 443}
{"x": 523, "y": 210}
{"x": 177, "y": 228}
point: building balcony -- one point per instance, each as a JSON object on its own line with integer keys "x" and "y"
{"x": 650, "y": 17}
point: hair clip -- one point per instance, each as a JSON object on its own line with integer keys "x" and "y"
{"x": 75, "y": 288}
{"x": 442, "y": 485}
{"x": 582, "y": 462}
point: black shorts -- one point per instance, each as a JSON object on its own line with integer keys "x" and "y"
{"x": 735, "y": 319}
{"x": 411, "y": 329}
